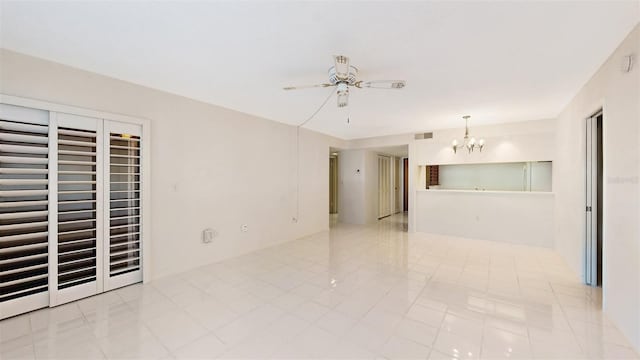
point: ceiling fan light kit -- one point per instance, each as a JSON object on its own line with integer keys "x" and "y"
{"x": 343, "y": 95}
{"x": 343, "y": 75}
{"x": 469, "y": 143}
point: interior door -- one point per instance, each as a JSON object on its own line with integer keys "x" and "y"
{"x": 123, "y": 192}
{"x": 76, "y": 222}
{"x": 384, "y": 186}
{"x": 333, "y": 185}
{"x": 397, "y": 206}
{"x": 405, "y": 189}
{"x": 389, "y": 186}
{"x": 593, "y": 195}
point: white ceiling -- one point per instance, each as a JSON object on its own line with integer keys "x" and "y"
{"x": 498, "y": 61}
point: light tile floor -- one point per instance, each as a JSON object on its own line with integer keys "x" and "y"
{"x": 355, "y": 292}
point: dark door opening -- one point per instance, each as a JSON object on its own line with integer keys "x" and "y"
{"x": 405, "y": 187}
{"x": 594, "y": 200}
{"x": 333, "y": 184}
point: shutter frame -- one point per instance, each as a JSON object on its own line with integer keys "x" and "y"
{"x": 123, "y": 257}
{"x": 76, "y": 223}
{"x": 14, "y": 108}
{"x": 24, "y": 206}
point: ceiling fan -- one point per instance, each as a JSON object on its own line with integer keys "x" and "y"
{"x": 343, "y": 75}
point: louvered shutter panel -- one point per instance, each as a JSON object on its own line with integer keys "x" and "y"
{"x": 24, "y": 188}
{"x": 70, "y": 207}
{"x": 79, "y": 198}
{"x": 123, "y": 255}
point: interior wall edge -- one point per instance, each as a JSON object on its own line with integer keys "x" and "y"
{"x": 617, "y": 93}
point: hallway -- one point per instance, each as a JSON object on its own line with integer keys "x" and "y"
{"x": 354, "y": 292}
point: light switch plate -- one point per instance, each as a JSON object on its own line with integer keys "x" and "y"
{"x": 208, "y": 235}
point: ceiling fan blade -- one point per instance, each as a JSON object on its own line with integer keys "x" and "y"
{"x": 381, "y": 84}
{"x": 341, "y": 66}
{"x": 306, "y": 86}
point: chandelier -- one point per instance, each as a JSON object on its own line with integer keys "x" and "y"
{"x": 469, "y": 143}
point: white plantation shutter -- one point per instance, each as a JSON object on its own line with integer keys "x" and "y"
{"x": 78, "y": 259}
{"x": 123, "y": 256}
{"x": 70, "y": 207}
{"x": 76, "y": 221}
{"x": 77, "y": 234}
{"x": 24, "y": 208}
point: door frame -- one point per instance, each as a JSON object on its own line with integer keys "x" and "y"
{"x": 385, "y": 185}
{"x": 397, "y": 184}
{"x": 594, "y": 191}
{"x": 333, "y": 184}
{"x": 111, "y": 283}
{"x": 405, "y": 184}
{"x": 145, "y": 172}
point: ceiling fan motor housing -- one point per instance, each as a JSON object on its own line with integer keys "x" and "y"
{"x": 350, "y": 80}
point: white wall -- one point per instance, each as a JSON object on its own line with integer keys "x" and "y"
{"x": 358, "y": 200}
{"x": 211, "y": 167}
{"x": 393, "y": 141}
{"x": 618, "y": 94}
{"x": 371, "y": 186}
{"x": 523, "y": 218}
{"x": 351, "y": 201}
{"x": 381, "y": 141}
{"x": 514, "y": 142}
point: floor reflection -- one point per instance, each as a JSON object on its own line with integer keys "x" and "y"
{"x": 354, "y": 292}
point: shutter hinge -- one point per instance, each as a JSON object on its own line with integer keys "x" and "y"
{"x": 588, "y": 208}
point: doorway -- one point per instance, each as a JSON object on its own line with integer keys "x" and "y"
{"x": 594, "y": 209}
{"x": 385, "y": 192}
{"x": 397, "y": 187}
{"x": 405, "y": 188}
{"x": 333, "y": 183}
